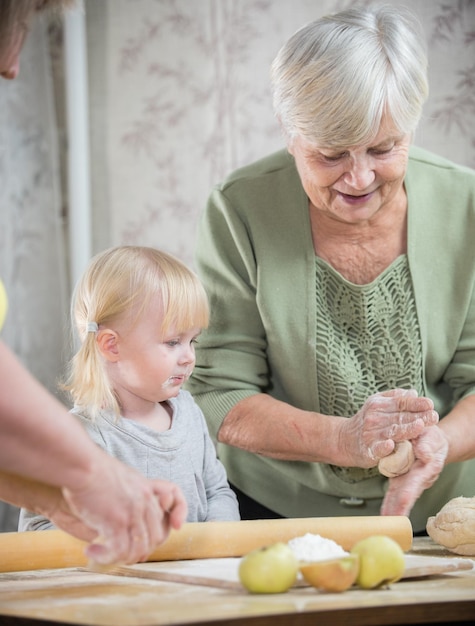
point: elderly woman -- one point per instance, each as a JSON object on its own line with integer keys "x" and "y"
{"x": 341, "y": 277}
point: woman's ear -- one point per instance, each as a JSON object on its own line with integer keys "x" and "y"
{"x": 108, "y": 344}
{"x": 290, "y": 144}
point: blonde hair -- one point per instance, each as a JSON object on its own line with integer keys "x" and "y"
{"x": 118, "y": 284}
{"x": 336, "y": 77}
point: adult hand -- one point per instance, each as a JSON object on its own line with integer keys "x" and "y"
{"x": 430, "y": 450}
{"x": 55, "y": 508}
{"x": 59, "y": 512}
{"x": 130, "y": 514}
{"x": 384, "y": 419}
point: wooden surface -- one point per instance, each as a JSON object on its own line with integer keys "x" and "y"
{"x": 54, "y": 548}
{"x": 76, "y": 596}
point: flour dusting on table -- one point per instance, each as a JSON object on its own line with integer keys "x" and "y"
{"x": 311, "y": 547}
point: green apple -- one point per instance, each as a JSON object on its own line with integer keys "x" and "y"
{"x": 271, "y": 569}
{"x": 336, "y": 574}
{"x": 381, "y": 561}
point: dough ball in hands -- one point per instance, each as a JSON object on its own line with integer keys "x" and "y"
{"x": 454, "y": 526}
{"x": 399, "y": 461}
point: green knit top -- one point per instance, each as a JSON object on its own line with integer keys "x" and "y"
{"x": 364, "y": 344}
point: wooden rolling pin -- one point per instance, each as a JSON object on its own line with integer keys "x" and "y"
{"x": 50, "y": 549}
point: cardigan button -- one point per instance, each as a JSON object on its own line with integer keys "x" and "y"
{"x": 352, "y": 502}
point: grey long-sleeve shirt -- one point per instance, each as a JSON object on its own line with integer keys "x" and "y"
{"x": 184, "y": 455}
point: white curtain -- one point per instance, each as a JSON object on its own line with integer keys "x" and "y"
{"x": 32, "y": 258}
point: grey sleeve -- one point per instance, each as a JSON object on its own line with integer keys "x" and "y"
{"x": 32, "y": 521}
{"x": 222, "y": 501}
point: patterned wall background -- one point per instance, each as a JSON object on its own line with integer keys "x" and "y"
{"x": 179, "y": 96}
{"x": 186, "y": 99}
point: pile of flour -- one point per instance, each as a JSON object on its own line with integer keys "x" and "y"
{"x": 311, "y": 547}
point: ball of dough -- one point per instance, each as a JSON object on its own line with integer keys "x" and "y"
{"x": 399, "y": 461}
{"x": 454, "y": 526}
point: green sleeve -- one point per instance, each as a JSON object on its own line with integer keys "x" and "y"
{"x": 231, "y": 356}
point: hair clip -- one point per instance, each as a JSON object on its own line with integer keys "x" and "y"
{"x": 92, "y": 327}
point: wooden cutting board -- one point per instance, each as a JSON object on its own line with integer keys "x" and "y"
{"x": 223, "y": 573}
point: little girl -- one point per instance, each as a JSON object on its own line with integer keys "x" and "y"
{"x": 138, "y": 313}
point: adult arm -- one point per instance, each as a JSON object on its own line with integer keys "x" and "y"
{"x": 452, "y": 440}
{"x": 266, "y": 426}
{"x": 42, "y": 441}
{"x": 45, "y": 500}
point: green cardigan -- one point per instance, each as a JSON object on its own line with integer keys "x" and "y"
{"x": 255, "y": 256}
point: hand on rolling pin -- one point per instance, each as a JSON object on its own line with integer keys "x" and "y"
{"x": 430, "y": 451}
{"x": 385, "y": 419}
{"x": 59, "y": 512}
{"x": 130, "y": 514}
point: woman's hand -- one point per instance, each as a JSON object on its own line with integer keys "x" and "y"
{"x": 430, "y": 450}
{"x": 384, "y": 419}
{"x": 130, "y": 514}
{"x": 55, "y": 508}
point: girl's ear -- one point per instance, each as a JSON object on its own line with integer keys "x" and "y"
{"x": 108, "y": 344}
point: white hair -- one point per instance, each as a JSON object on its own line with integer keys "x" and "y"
{"x": 335, "y": 78}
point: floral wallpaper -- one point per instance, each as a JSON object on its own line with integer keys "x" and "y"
{"x": 186, "y": 100}
{"x": 453, "y": 107}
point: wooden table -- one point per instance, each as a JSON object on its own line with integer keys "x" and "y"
{"x": 77, "y": 596}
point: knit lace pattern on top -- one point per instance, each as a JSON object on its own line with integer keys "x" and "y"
{"x": 368, "y": 340}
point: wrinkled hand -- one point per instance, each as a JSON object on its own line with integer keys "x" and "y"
{"x": 130, "y": 514}
{"x": 384, "y": 419}
{"x": 430, "y": 450}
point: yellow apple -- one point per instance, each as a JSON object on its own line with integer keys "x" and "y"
{"x": 271, "y": 569}
{"x": 381, "y": 561}
{"x": 335, "y": 574}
